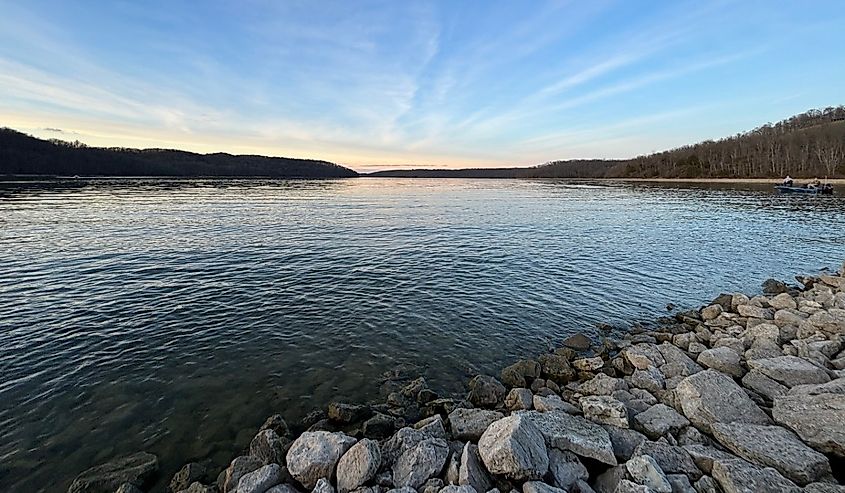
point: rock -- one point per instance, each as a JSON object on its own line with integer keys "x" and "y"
{"x": 722, "y": 359}
{"x": 486, "y": 391}
{"x": 134, "y": 469}
{"x": 432, "y": 427}
{"x": 831, "y": 321}
{"x": 672, "y": 459}
{"x": 404, "y": 489}
{"x": 710, "y": 396}
{"x": 650, "y": 379}
{"x": 189, "y": 474}
{"x": 348, "y": 413}
{"x": 608, "y": 481}
{"x": 588, "y": 364}
{"x": 453, "y": 489}
{"x": 379, "y": 426}
{"x": 763, "y": 385}
{"x": 433, "y": 485}
{"x": 315, "y": 454}
{"x": 824, "y": 488}
{"x": 680, "y": 483}
{"x": 573, "y": 433}
{"x": 261, "y": 479}
{"x": 641, "y": 356}
{"x": 539, "y": 487}
{"x": 627, "y": 486}
{"x": 624, "y": 441}
{"x": 520, "y": 373}
{"x": 469, "y": 424}
{"x": 659, "y": 420}
{"x": 268, "y": 446}
{"x": 790, "y": 370}
{"x": 323, "y": 486}
{"x": 556, "y": 367}
{"x": 752, "y": 311}
{"x": 403, "y": 440}
{"x": 736, "y": 475}
{"x": 711, "y": 312}
{"x": 553, "y": 403}
{"x": 809, "y": 411}
{"x": 783, "y": 301}
{"x": 453, "y": 464}
{"x": 578, "y": 342}
{"x": 645, "y": 471}
{"x": 605, "y": 410}
{"x": 677, "y": 362}
{"x": 773, "y": 286}
{"x": 283, "y": 488}
{"x": 707, "y": 485}
{"x": 228, "y": 480}
{"x": 472, "y": 471}
{"x": 697, "y": 348}
{"x": 358, "y": 465}
{"x": 131, "y": 488}
{"x": 566, "y": 469}
{"x": 519, "y": 399}
{"x": 277, "y": 424}
{"x": 775, "y": 447}
{"x": 416, "y": 465}
{"x": 515, "y": 448}
{"x": 602, "y": 384}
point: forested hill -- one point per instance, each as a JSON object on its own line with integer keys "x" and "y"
{"x": 808, "y": 145}
{"x": 21, "y": 154}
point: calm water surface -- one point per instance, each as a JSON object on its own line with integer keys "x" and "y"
{"x": 174, "y": 316}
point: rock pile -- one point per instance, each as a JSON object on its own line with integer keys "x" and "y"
{"x": 746, "y": 394}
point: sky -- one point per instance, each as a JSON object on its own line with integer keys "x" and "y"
{"x": 394, "y": 84}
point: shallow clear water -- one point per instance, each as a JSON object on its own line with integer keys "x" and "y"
{"x": 174, "y": 316}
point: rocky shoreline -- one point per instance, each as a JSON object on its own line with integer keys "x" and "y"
{"x": 746, "y": 394}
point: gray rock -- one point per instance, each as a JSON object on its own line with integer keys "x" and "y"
{"x": 323, "y": 486}
{"x": 277, "y": 424}
{"x": 432, "y": 427}
{"x": 810, "y": 411}
{"x": 261, "y": 479}
{"x": 573, "y": 433}
{"x": 269, "y": 447}
{"x": 486, "y": 391}
{"x": 722, "y": 359}
{"x": 645, "y": 471}
{"x": 608, "y": 481}
{"x": 379, "y": 426}
{"x": 134, "y": 469}
{"x": 641, "y": 356}
{"x": 452, "y": 489}
{"x": 539, "y": 487}
{"x": 416, "y": 465}
{"x": 553, "y": 403}
{"x": 189, "y": 474}
{"x": 783, "y": 301}
{"x": 650, "y": 379}
{"x": 625, "y": 441}
{"x": 604, "y": 409}
{"x": 237, "y": 468}
{"x": 763, "y": 385}
{"x": 578, "y": 342}
{"x": 315, "y": 454}
{"x": 755, "y": 312}
{"x": 707, "y": 485}
{"x": 469, "y": 424}
{"x": 130, "y": 488}
{"x": 711, "y": 396}
{"x": 195, "y": 487}
{"x": 520, "y": 373}
{"x": 680, "y": 483}
{"x": 739, "y": 476}
{"x": 671, "y": 458}
{"x": 433, "y": 485}
{"x": 566, "y": 469}
{"x": 602, "y": 384}
{"x": 627, "y": 486}
{"x": 358, "y": 465}
{"x": 588, "y": 364}
{"x": 472, "y": 471}
{"x": 659, "y": 420}
{"x": 453, "y": 463}
{"x": 775, "y": 447}
{"x": 343, "y": 413}
{"x": 824, "y": 488}
{"x": 711, "y": 312}
{"x": 704, "y": 456}
{"x": 403, "y": 489}
{"x": 556, "y": 367}
{"x": 790, "y": 370}
{"x": 677, "y": 362}
{"x": 515, "y": 448}
{"x": 519, "y": 399}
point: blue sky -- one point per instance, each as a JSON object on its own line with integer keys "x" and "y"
{"x": 378, "y": 85}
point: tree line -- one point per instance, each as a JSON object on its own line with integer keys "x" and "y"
{"x": 21, "y": 154}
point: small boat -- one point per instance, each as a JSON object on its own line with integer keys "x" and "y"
{"x": 822, "y": 190}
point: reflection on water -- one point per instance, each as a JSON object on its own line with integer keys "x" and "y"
{"x": 174, "y": 315}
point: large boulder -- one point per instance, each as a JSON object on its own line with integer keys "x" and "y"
{"x": 515, "y": 448}
{"x": 556, "y": 367}
{"x": 672, "y": 459}
{"x": 358, "y": 465}
{"x": 722, "y": 359}
{"x": 261, "y": 479}
{"x": 776, "y": 447}
{"x": 739, "y": 476}
{"x": 269, "y": 447}
{"x": 566, "y": 469}
{"x": 472, "y": 471}
{"x": 519, "y": 399}
{"x": 645, "y": 471}
{"x": 239, "y": 466}
{"x": 469, "y": 424}
{"x": 315, "y": 454}
{"x": 604, "y": 409}
{"x": 520, "y": 373}
{"x": 420, "y": 463}
{"x": 711, "y": 396}
{"x": 486, "y": 391}
{"x": 574, "y": 433}
{"x": 816, "y": 413}
{"x": 763, "y": 385}
{"x": 625, "y": 441}
{"x": 790, "y": 370}
{"x": 134, "y": 469}
{"x": 677, "y": 362}
{"x": 659, "y": 420}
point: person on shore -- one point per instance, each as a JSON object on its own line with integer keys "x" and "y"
{"x": 787, "y": 182}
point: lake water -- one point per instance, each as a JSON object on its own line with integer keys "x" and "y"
{"x": 174, "y": 316}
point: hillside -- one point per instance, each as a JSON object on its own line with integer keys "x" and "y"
{"x": 21, "y": 154}
{"x": 808, "y": 145}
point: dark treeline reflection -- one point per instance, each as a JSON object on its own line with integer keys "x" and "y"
{"x": 21, "y": 154}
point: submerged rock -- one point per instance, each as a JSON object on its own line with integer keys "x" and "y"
{"x": 134, "y": 469}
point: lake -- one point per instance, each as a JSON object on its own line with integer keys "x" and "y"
{"x": 173, "y": 316}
